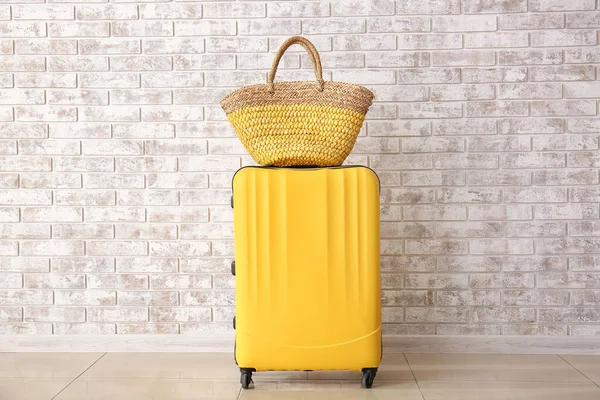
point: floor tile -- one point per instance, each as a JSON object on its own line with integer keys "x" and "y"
{"x": 490, "y": 367}
{"x": 589, "y": 365}
{"x": 31, "y": 388}
{"x": 332, "y": 390}
{"x": 150, "y": 389}
{"x": 455, "y": 390}
{"x": 393, "y": 367}
{"x": 165, "y": 366}
{"x": 45, "y": 365}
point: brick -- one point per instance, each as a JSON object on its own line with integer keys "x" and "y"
{"x": 469, "y": 229}
{"x": 112, "y": 80}
{"x": 82, "y": 231}
{"x": 365, "y": 42}
{"x": 335, "y": 25}
{"x": 562, "y": 73}
{"x": 497, "y": 109}
{"x": 85, "y": 297}
{"x": 494, "y": 6}
{"x": 50, "y": 248}
{"x": 22, "y": 64}
{"x": 566, "y": 211}
{"x": 563, "y": 142}
{"x": 11, "y": 281}
{"x": 510, "y": 178}
{"x": 430, "y": 41}
{"x": 538, "y": 329}
{"x": 584, "y": 330}
{"x": 83, "y": 198}
{"x": 464, "y": 23}
{"x": 407, "y": 297}
{"x": 583, "y": 20}
{"x": 582, "y": 89}
{"x": 51, "y": 214}
{"x": 468, "y": 329}
{"x": 19, "y": 29}
{"x": 54, "y": 281}
{"x": 534, "y": 194}
{"x": 465, "y": 161}
{"x": 418, "y": 230}
{"x": 180, "y": 314}
{"x": 140, "y": 131}
{"x": 115, "y": 214}
{"x": 244, "y": 45}
{"x": 428, "y": 246}
{"x": 79, "y": 29}
{"x": 144, "y": 197}
{"x": 170, "y": 113}
{"x": 234, "y": 10}
{"x": 112, "y": 147}
{"x": 429, "y": 7}
{"x": 83, "y": 329}
{"x": 78, "y": 97}
{"x": 468, "y": 298}
{"x": 149, "y": 298}
{"x": 531, "y": 21}
{"x": 144, "y": 231}
{"x": 584, "y": 298}
{"x": 403, "y": 162}
{"x": 496, "y": 39}
{"x": 46, "y": 114}
{"x": 398, "y": 24}
{"x": 531, "y": 125}
{"x": 557, "y": 5}
{"x": 54, "y": 314}
{"x": 579, "y": 195}
{"x": 527, "y": 57}
{"x": 172, "y": 46}
{"x": 500, "y": 212}
{"x": 508, "y": 143}
{"x": 142, "y": 28}
{"x": 82, "y": 265}
{"x": 502, "y": 281}
{"x": 533, "y": 160}
{"x": 501, "y": 246}
{"x": 530, "y": 91}
{"x": 25, "y": 197}
{"x": 463, "y": 58}
{"x": 494, "y": 75}
{"x": 429, "y": 110}
{"x": 563, "y": 38}
{"x": 408, "y": 196}
{"x": 170, "y": 11}
{"x": 534, "y": 263}
{"x": 436, "y": 281}
{"x": 117, "y": 281}
{"x": 107, "y": 11}
{"x": 583, "y": 125}
{"x": 117, "y": 314}
{"x": 51, "y": 181}
{"x": 584, "y": 228}
{"x": 77, "y": 63}
{"x": 425, "y": 76}
{"x": 120, "y": 248}
{"x": 11, "y": 314}
{"x": 567, "y": 177}
{"x": 567, "y": 246}
{"x": 502, "y": 314}
{"x": 462, "y": 92}
{"x": 431, "y": 178}
{"x": 146, "y": 164}
{"x": 270, "y": 27}
{"x": 464, "y": 127}
{"x": 572, "y": 314}
{"x": 50, "y": 80}
{"x": 438, "y": 314}
{"x": 143, "y": 96}
{"x": 26, "y": 328}
{"x": 147, "y": 329}
{"x": 48, "y": 46}
{"x": 112, "y": 46}
{"x": 141, "y": 63}
{"x": 395, "y": 59}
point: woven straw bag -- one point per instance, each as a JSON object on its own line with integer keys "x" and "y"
{"x": 298, "y": 123}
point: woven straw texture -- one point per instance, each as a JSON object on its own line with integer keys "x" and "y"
{"x": 298, "y": 123}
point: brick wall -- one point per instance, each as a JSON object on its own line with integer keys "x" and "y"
{"x": 116, "y": 158}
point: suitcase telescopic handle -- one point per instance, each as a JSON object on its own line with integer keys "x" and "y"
{"x": 312, "y": 52}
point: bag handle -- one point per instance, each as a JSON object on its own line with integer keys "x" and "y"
{"x": 312, "y": 52}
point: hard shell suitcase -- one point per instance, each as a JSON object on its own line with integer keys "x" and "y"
{"x": 307, "y": 270}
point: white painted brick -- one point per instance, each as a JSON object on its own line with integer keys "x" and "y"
{"x": 147, "y": 329}
{"x": 144, "y": 197}
{"x": 114, "y": 214}
{"x": 364, "y": 42}
{"x": 530, "y": 91}
{"x": 463, "y": 58}
{"x": 117, "y": 314}
{"x": 407, "y": 195}
{"x": 562, "y": 73}
{"x": 437, "y": 246}
{"x": 566, "y": 211}
{"x": 180, "y": 314}
{"x": 493, "y": 75}
{"x": 54, "y": 314}
{"x": 21, "y": 29}
{"x": 48, "y": 46}
{"x": 86, "y": 164}
{"x": 83, "y": 329}
{"x": 534, "y": 194}
{"x": 141, "y": 63}
{"x": 148, "y": 298}
{"x": 439, "y": 314}
{"x": 82, "y": 198}
{"x": 462, "y": 92}
{"x": 54, "y": 281}
{"x": 563, "y": 38}
{"x": 557, "y": 5}
{"x": 430, "y": 41}
{"x": 429, "y": 7}
{"x": 142, "y": 28}
{"x": 468, "y": 298}
{"x": 502, "y": 314}
{"x": 120, "y": 248}
{"x": 471, "y": 195}
{"x": 583, "y": 20}
{"x": 51, "y": 181}
{"x": 180, "y": 248}
{"x": 11, "y": 314}
{"x": 171, "y": 11}
{"x": 500, "y": 212}
{"x": 464, "y": 23}
{"x": 117, "y": 281}
{"x": 107, "y": 11}
{"x": 494, "y": 6}
{"x": 526, "y": 57}
{"x": 79, "y": 29}
{"x": 530, "y": 21}
{"x": 85, "y": 297}
{"x": 573, "y": 176}
{"x": 510, "y": 178}
{"x": 333, "y": 25}
{"x": 52, "y": 248}
{"x": 177, "y": 180}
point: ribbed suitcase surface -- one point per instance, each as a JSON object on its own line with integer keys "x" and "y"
{"x": 307, "y": 268}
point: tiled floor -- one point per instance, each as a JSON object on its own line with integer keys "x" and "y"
{"x": 187, "y": 376}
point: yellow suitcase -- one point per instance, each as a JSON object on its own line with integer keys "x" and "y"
{"x": 307, "y": 270}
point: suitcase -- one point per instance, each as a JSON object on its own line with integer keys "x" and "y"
{"x": 307, "y": 270}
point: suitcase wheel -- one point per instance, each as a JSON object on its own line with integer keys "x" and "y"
{"x": 233, "y": 268}
{"x": 246, "y": 378}
{"x": 368, "y": 377}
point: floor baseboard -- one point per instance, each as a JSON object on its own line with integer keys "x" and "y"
{"x": 392, "y": 344}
